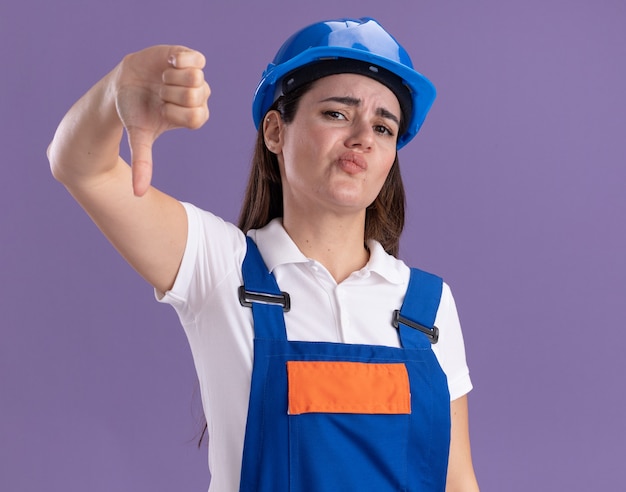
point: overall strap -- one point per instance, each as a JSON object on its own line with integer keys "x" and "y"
{"x": 260, "y": 292}
{"x": 415, "y": 321}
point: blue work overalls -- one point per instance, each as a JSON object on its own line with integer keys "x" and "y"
{"x": 333, "y": 417}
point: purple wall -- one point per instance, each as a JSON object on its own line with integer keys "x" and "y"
{"x": 517, "y": 194}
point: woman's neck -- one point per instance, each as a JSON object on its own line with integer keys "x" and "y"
{"x": 337, "y": 242}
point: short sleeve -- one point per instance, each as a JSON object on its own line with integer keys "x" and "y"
{"x": 450, "y": 349}
{"x": 213, "y": 250}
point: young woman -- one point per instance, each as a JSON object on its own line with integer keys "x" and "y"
{"x": 325, "y": 363}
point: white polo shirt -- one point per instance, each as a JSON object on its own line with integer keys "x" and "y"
{"x": 220, "y": 330}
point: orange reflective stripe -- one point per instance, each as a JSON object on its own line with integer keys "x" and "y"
{"x": 348, "y": 387}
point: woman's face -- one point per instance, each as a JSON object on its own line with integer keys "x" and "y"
{"x": 336, "y": 153}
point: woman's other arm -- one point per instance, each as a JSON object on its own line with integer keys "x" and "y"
{"x": 461, "y": 477}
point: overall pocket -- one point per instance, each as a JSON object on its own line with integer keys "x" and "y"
{"x": 348, "y": 426}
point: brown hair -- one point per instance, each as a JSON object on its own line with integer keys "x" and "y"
{"x": 263, "y": 200}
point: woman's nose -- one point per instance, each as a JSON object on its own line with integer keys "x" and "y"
{"x": 361, "y": 135}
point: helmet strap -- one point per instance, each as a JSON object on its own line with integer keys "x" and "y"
{"x": 333, "y": 66}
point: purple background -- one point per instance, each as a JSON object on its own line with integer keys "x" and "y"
{"x": 517, "y": 191}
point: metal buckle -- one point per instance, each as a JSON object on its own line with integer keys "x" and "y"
{"x": 246, "y": 298}
{"x": 432, "y": 333}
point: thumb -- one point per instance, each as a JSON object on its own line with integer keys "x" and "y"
{"x": 140, "y": 144}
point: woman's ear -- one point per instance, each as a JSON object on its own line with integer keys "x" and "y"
{"x": 273, "y": 131}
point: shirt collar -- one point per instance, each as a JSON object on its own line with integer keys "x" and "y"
{"x": 382, "y": 263}
{"x": 277, "y": 248}
{"x": 275, "y": 245}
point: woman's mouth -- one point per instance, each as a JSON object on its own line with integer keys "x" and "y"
{"x": 352, "y": 163}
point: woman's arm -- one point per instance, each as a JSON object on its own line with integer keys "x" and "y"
{"x": 461, "y": 477}
{"x": 148, "y": 93}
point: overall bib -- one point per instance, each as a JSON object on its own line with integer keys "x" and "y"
{"x": 333, "y": 417}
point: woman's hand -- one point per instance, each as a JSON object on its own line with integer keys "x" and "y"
{"x": 158, "y": 89}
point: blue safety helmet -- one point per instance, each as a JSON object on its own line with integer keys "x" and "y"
{"x": 347, "y": 46}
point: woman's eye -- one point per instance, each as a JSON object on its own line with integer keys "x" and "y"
{"x": 383, "y": 130}
{"x": 336, "y": 115}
